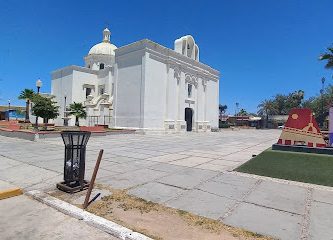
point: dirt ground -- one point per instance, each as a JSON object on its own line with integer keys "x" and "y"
{"x": 157, "y": 221}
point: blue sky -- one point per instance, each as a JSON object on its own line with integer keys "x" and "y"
{"x": 260, "y": 47}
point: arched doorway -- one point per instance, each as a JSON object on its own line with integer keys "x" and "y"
{"x": 188, "y": 118}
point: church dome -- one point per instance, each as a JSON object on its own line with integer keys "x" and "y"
{"x": 105, "y": 47}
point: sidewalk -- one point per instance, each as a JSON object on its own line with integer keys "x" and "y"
{"x": 189, "y": 172}
{"x": 24, "y": 218}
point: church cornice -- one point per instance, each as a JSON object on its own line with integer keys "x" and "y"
{"x": 65, "y": 71}
{"x": 169, "y": 56}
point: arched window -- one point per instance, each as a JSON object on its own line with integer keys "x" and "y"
{"x": 189, "y": 90}
{"x": 101, "y": 66}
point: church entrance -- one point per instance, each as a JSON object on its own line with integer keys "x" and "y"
{"x": 188, "y": 118}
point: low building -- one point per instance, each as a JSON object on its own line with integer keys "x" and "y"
{"x": 12, "y": 113}
{"x": 275, "y": 121}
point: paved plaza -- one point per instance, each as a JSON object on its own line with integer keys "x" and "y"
{"x": 27, "y": 219}
{"x": 192, "y": 172}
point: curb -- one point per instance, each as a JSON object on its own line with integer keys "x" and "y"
{"x": 8, "y": 193}
{"x": 103, "y": 224}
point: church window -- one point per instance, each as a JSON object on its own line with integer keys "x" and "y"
{"x": 101, "y": 66}
{"x": 189, "y": 90}
{"x": 101, "y": 91}
{"x": 88, "y": 92}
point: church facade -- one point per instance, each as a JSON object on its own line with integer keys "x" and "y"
{"x": 142, "y": 86}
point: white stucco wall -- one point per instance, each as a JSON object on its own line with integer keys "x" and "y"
{"x": 172, "y": 96}
{"x": 212, "y": 103}
{"x": 61, "y": 86}
{"x": 129, "y": 91}
{"x": 155, "y": 93}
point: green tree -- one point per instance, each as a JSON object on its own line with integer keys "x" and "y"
{"x": 242, "y": 112}
{"x": 222, "y": 109}
{"x": 267, "y": 108}
{"x": 280, "y": 103}
{"x": 327, "y": 56}
{"x": 78, "y": 110}
{"x": 293, "y": 100}
{"x": 27, "y": 95}
{"x": 44, "y": 107}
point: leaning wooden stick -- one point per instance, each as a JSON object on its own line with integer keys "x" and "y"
{"x": 91, "y": 184}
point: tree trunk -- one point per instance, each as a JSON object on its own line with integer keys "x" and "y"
{"x": 27, "y": 105}
{"x": 77, "y": 121}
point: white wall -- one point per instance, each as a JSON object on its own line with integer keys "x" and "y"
{"x": 155, "y": 93}
{"x": 200, "y": 101}
{"x": 59, "y": 88}
{"x": 172, "y": 96}
{"x": 129, "y": 91}
{"x": 70, "y": 82}
{"x": 212, "y": 103}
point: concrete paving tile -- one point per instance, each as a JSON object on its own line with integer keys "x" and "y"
{"x": 224, "y": 189}
{"x": 236, "y": 180}
{"x": 188, "y": 178}
{"x": 25, "y": 175}
{"x": 8, "y": 163}
{"x": 321, "y": 224}
{"x": 30, "y": 220}
{"x": 127, "y": 166}
{"x": 131, "y": 179}
{"x": 118, "y": 159}
{"x": 166, "y": 167}
{"x": 156, "y": 192}
{"x": 279, "y": 196}
{"x": 190, "y": 161}
{"x": 167, "y": 158}
{"x": 200, "y": 154}
{"x": 6, "y": 185}
{"x": 171, "y": 150}
{"x": 225, "y": 162}
{"x": 132, "y": 154}
{"x": 213, "y": 167}
{"x": 54, "y": 165}
{"x": 238, "y": 157}
{"x": 101, "y": 173}
{"x": 269, "y": 222}
{"x": 151, "y": 153}
{"x": 46, "y": 185}
{"x": 323, "y": 196}
{"x": 202, "y": 203}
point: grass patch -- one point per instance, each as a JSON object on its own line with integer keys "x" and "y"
{"x": 301, "y": 167}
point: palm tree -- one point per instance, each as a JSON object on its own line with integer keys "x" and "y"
{"x": 78, "y": 110}
{"x": 27, "y": 95}
{"x": 267, "y": 107}
{"x": 329, "y": 57}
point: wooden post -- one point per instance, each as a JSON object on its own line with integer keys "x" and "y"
{"x": 92, "y": 182}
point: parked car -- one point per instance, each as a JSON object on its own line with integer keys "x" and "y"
{"x": 281, "y": 127}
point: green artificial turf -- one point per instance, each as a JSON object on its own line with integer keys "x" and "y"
{"x": 301, "y": 167}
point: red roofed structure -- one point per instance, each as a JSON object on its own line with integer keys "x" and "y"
{"x": 301, "y": 128}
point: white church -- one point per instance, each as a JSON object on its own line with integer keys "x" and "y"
{"x": 142, "y": 86}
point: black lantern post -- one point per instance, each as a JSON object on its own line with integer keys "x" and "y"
{"x": 38, "y": 85}
{"x": 8, "y": 109}
{"x": 74, "y": 162}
